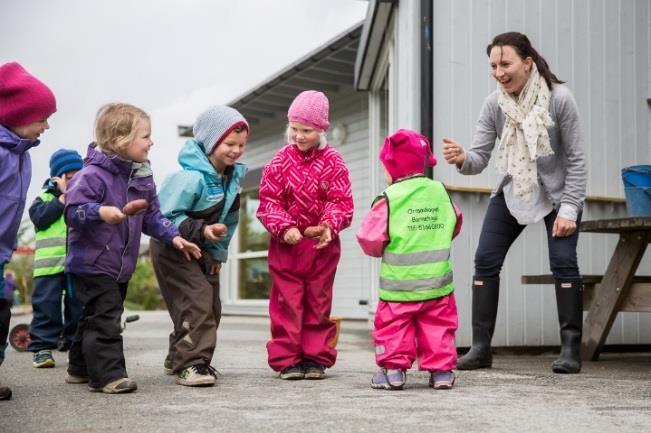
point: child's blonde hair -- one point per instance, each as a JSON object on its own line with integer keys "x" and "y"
{"x": 116, "y": 125}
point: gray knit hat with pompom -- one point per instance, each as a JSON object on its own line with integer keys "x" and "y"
{"x": 214, "y": 124}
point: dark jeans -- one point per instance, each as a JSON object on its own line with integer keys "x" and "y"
{"x": 501, "y": 229}
{"x": 97, "y": 350}
{"x": 5, "y": 318}
{"x": 49, "y": 322}
{"x": 5, "y": 315}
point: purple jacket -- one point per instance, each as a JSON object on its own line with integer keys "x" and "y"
{"x": 95, "y": 247}
{"x": 15, "y": 175}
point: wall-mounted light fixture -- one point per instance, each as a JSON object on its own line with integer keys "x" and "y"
{"x": 339, "y": 134}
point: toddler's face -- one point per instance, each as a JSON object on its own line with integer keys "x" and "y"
{"x": 33, "y": 130}
{"x": 229, "y": 150}
{"x": 387, "y": 176}
{"x": 304, "y": 136}
{"x": 138, "y": 149}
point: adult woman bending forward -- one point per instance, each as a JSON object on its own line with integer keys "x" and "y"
{"x": 541, "y": 158}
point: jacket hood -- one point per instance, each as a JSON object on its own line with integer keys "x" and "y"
{"x": 13, "y": 143}
{"x": 110, "y": 162}
{"x": 192, "y": 157}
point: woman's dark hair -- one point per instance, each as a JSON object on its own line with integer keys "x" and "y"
{"x": 524, "y": 49}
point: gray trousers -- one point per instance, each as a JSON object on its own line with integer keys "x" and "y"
{"x": 192, "y": 298}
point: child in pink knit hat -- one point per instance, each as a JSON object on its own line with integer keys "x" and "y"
{"x": 411, "y": 226}
{"x": 305, "y": 201}
{"x": 25, "y": 105}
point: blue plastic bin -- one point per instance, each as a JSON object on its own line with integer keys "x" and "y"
{"x": 637, "y": 188}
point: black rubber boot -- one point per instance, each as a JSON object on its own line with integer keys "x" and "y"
{"x": 569, "y": 302}
{"x": 485, "y": 294}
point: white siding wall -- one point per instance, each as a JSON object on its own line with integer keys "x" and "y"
{"x": 406, "y": 66}
{"x": 350, "y": 108}
{"x": 602, "y": 48}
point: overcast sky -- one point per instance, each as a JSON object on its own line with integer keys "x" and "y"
{"x": 173, "y": 58}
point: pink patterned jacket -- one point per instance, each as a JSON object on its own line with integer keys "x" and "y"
{"x": 302, "y": 189}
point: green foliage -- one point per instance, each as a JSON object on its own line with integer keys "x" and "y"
{"x": 22, "y": 265}
{"x": 143, "y": 292}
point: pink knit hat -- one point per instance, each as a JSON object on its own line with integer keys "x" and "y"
{"x": 310, "y": 108}
{"x": 23, "y": 98}
{"x": 406, "y": 152}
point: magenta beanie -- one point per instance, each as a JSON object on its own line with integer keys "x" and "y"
{"x": 23, "y": 98}
{"x": 406, "y": 152}
{"x": 310, "y": 108}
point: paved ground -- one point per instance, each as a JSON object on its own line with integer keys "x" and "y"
{"x": 520, "y": 394}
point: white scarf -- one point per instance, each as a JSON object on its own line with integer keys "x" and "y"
{"x": 524, "y": 137}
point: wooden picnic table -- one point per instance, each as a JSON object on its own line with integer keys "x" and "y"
{"x": 615, "y": 287}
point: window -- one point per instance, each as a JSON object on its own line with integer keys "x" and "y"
{"x": 253, "y": 273}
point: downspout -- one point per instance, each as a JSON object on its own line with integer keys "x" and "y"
{"x": 426, "y": 77}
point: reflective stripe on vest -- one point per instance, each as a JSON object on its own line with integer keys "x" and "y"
{"x": 50, "y": 254}
{"x": 416, "y": 262}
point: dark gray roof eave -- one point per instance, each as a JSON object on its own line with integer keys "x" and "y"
{"x": 338, "y": 41}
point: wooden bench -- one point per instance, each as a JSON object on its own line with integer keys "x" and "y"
{"x": 637, "y": 300}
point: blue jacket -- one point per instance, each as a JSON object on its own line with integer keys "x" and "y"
{"x": 15, "y": 175}
{"x": 198, "y": 196}
{"x": 95, "y": 247}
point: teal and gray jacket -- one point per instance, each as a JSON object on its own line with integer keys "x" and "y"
{"x": 198, "y": 196}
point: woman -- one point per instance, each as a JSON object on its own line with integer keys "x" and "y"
{"x": 544, "y": 178}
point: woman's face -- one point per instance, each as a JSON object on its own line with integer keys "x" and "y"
{"x": 509, "y": 69}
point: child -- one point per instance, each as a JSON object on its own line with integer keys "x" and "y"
{"x": 46, "y": 212}
{"x": 305, "y": 201}
{"x": 203, "y": 201}
{"x": 103, "y": 242}
{"x": 25, "y": 106}
{"x": 411, "y": 226}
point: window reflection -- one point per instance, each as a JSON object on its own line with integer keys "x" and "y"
{"x": 255, "y": 281}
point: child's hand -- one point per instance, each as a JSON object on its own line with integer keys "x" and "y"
{"x": 314, "y": 231}
{"x": 215, "y": 232}
{"x": 61, "y": 183}
{"x": 111, "y": 214}
{"x": 292, "y": 236}
{"x": 453, "y": 152}
{"x": 325, "y": 238}
{"x": 188, "y": 249}
{"x": 215, "y": 268}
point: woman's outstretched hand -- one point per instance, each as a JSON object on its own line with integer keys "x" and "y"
{"x": 563, "y": 228}
{"x": 453, "y": 152}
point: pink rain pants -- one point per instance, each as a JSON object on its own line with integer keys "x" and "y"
{"x": 300, "y": 303}
{"x": 405, "y": 331}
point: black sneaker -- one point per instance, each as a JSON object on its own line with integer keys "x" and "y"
{"x": 313, "y": 370}
{"x": 5, "y": 392}
{"x": 293, "y": 372}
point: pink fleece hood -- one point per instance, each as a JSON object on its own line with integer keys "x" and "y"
{"x": 406, "y": 152}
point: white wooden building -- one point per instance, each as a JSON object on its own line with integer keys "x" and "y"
{"x": 422, "y": 65}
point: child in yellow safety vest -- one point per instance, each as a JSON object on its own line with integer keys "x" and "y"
{"x": 411, "y": 226}
{"x": 51, "y": 325}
